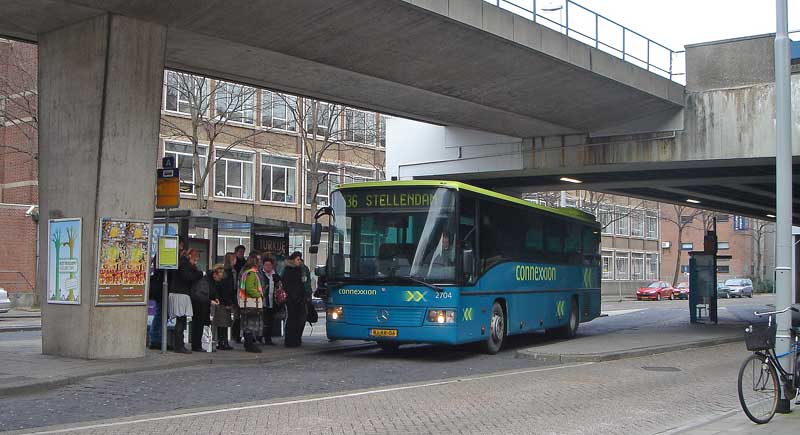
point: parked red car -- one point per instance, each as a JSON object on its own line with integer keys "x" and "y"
{"x": 681, "y": 291}
{"x": 657, "y": 290}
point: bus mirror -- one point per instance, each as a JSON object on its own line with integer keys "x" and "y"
{"x": 316, "y": 235}
{"x": 469, "y": 263}
{"x": 319, "y": 270}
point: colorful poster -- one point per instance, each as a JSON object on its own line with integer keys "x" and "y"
{"x": 64, "y": 261}
{"x": 123, "y": 262}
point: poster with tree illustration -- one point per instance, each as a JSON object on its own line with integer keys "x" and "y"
{"x": 64, "y": 261}
{"x": 122, "y": 262}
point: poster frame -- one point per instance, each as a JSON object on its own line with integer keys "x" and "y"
{"x": 80, "y": 260}
{"x": 143, "y": 302}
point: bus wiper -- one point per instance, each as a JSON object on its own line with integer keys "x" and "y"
{"x": 426, "y": 284}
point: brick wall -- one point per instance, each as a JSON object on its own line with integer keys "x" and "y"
{"x": 17, "y": 250}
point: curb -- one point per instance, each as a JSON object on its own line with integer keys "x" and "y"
{"x": 40, "y": 386}
{"x": 625, "y": 354}
{"x": 20, "y": 329}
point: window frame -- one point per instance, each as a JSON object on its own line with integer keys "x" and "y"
{"x": 220, "y": 84}
{"x": 178, "y": 154}
{"x": 622, "y": 224}
{"x": 627, "y": 273}
{"x": 330, "y": 186}
{"x": 651, "y": 258}
{"x": 290, "y": 120}
{"x": 727, "y": 246}
{"x": 634, "y": 216}
{"x": 606, "y": 210}
{"x": 265, "y": 164}
{"x": 178, "y": 100}
{"x": 350, "y": 115}
{"x": 651, "y": 217}
{"x": 242, "y": 177}
{"x": 607, "y": 255}
{"x": 685, "y": 244}
{"x": 637, "y": 257}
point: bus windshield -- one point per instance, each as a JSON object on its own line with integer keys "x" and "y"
{"x": 393, "y": 233}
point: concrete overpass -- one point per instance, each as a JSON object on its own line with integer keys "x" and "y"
{"x": 723, "y": 157}
{"x": 451, "y": 62}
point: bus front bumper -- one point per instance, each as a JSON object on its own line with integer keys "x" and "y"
{"x": 441, "y": 334}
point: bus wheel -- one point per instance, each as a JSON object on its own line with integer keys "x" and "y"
{"x": 389, "y": 346}
{"x": 497, "y": 330}
{"x": 571, "y": 328}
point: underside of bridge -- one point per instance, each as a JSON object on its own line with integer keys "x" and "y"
{"x": 449, "y": 62}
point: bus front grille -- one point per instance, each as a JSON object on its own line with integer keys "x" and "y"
{"x": 383, "y": 316}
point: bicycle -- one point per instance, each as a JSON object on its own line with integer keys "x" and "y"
{"x": 762, "y": 374}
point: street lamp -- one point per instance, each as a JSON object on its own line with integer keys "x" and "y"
{"x": 554, "y": 6}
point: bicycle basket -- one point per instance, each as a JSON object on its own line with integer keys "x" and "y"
{"x": 760, "y": 337}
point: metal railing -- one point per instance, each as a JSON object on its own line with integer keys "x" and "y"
{"x": 593, "y": 29}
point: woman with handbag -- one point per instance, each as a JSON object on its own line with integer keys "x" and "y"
{"x": 228, "y": 309}
{"x": 250, "y": 303}
{"x": 180, "y": 304}
{"x": 204, "y": 299}
{"x": 294, "y": 283}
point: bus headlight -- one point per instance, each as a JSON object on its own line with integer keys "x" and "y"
{"x": 442, "y": 316}
{"x": 335, "y": 313}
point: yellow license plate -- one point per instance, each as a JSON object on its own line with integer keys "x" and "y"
{"x": 383, "y": 332}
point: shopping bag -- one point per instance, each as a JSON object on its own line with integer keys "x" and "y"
{"x": 207, "y": 341}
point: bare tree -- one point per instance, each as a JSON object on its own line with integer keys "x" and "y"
{"x": 683, "y": 218}
{"x": 758, "y": 233}
{"x": 211, "y": 107}
{"x": 18, "y": 98}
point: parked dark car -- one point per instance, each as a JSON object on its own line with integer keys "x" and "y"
{"x": 681, "y": 291}
{"x": 739, "y": 287}
{"x": 656, "y": 291}
{"x": 723, "y": 291}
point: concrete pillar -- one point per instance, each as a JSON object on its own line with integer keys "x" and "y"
{"x": 100, "y": 85}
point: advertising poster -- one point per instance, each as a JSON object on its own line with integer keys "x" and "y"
{"x": 123, "y": 262}
{"x": 64, "y": 261}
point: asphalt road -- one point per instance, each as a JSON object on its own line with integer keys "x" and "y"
{"x": 619, "y": 392}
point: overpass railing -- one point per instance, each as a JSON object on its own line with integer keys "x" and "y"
{"x": 589, "y": 27}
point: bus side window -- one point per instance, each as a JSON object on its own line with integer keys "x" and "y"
{"x": 554, "y": 230}
{"x": 467, "y": 230}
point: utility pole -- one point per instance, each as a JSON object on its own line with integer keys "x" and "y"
{"x": 783, "y": 185}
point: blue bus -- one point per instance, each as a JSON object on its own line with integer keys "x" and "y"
{"x": 446, "y": 262}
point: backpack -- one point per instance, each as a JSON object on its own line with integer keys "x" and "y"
{"x": 201, "y": 291}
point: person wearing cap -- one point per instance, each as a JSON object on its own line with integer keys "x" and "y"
{"x": 293, "y": 282}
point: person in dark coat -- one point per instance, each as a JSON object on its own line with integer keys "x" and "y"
{"x": 293, "y": 282}
{"x": 180, "y": 287}
{"x": 238, "y": 265}
{"x": 270, "y": 281}
{"x": 228, "y": 305}
{"x": 155, "y": 293}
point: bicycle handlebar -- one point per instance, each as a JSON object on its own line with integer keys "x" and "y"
{"x": 776, "y": 312}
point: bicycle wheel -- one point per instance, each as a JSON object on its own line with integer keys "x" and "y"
{"x": 758, "y": 389}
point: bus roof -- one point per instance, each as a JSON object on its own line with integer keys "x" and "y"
{"x": 569, "y": 212}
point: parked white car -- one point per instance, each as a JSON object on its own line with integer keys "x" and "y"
{"x": 5, "y": 302}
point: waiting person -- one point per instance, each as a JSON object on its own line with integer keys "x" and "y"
{"x": 204, "y": 299}
{"x": 155, "y": 294}
{"x": 270, "y": 281}
{"x": 250, "y": 303}
{"x": 238, "y": 265}
{"x": 180, "y": 303}
{"x": 294, "y": 284}
{"x": 228, "y": 309}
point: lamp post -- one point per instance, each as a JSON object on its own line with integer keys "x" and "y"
{"x": 783, "y": 184}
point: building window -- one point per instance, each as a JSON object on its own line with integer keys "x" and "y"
{"x": 723, "y": 218}
{"x": 607, "y": 260}
{"x": 359, "y": 126}
{"x": 227, "y": 244}
{"x": 358, "y": 175}
{"x": 622, "y": 262}
{"x": 687, "y": 246}
{"x": 328, "y": 180}
{"x": 235, "y": 102}
{"x": 278, "y": 179}
{"x": 724, "y": 269}
{"x": 233, "y": 174}
{"x": 723, "y": 245}
{"x": 637, "y": 266}
{"x": 637, "y": 223}
{"x": 605, "y": 216}
{"x": 278, "y": 110}
{"x": 185, "y": 92}
{"x": 740, "y": 223}
{"x": 327, "y": 118}
{"x": 382, "y": 141}
{"x": 183, "y": 160}
{"x": 651, "y": 218}
{"x": 622, "y": 216}
{"x": 651, "y": 261}
{"x": 686, "y": 219}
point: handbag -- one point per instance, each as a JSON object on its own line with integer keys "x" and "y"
{"x": 312, "y": 317}
{"x": 279, "y": 296}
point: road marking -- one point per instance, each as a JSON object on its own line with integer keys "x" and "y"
{"x": 309, "y": 400}
{"x": 619, "y": 312}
